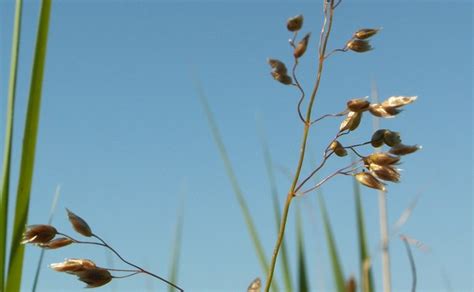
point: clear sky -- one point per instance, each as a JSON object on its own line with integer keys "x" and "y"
{"x": 122, "y": 131}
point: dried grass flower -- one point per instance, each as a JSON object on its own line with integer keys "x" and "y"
{"x": 56, "y": 243}
{"x": 95, "y": 277}
{"x": 302, "y": 46}
{"x": 38, "y": 234}
{"x": 351, "y": 122}
{"x": 295, "y": 23}
{"x": 79, "y": 224}
{"x": 366, "y": 33}
{"x": 73, "y": 266}
{"x": 385, "y": 172}
{"x": 370, "y": 181}
{"x": 358, "y": 104}
{"x": 401, "y": 149}
{"x": 359, "y": 46}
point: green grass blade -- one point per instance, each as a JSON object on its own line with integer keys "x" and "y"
{"x": 28, "y": 151}
{"x": 366, "y": 278}
{"x": 173, "y": 276}
{"x": 50, "y": 221}
{"x": 303, "y": 283}
{"x": 5, "y": 180}
{"x": 336, "y": 265}
{"x": 286, "y": 270}
{"x": 235, "y": 184}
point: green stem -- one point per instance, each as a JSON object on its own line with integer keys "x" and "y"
{"x": 286, "y": 209}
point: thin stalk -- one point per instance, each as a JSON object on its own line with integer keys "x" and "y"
{"x": 106, "y": 245}
{"x": 5, "y": 180}
{"x": 291, "y": 193}
{"x": 383, "y": 220}
{"x": 412, "y": 262}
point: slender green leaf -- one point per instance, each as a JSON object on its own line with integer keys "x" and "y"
{"x": 176, "y": 249}
{"x": 28, "y": 151}
{"x": 303, "y": 283}
{"x": 5, "y": 180}
{"x": 336, "y": 265}
{"x": 286, "y": 270}
{"x": 50, "y": 221}
{"x": 366, "y": 278}
{"x": 235, "y": 184}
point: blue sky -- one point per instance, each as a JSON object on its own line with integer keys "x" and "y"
{"x": 122, "y": 131}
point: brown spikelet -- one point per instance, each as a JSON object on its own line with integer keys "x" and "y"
{"x": 359, "y": 46}
{"x": 295, "y": 23}
{"x": 351, "y": 122}
{"x": 255, "y": 286}
{"x": 382, "y": 158}
{"x": 79, "y": 224}
{"x": 38, "y": 234}
{"x": 377, "y": 139}
{"x": 358, "y": 104}
{"x": 401, "y": 149}
{"x": 302, "y": 46}
{"x": 385, "y": 172}
{"x": 338, "y": 149}
{"x": 56, "y": 243}
{"x": 370, "y": 181}
{"x": 366, "y": 33}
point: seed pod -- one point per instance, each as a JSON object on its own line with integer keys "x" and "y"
{"x": 359, "y": 46}
{"x": 385, "y": 172}
{"x": 398, "y": 101}
{"x": 38, "y": 234}
{"x": 351, "y": 122}
{"x": 370, "y": 181}
{"x": 378, "y": 138}
{"x": 358, "y": 104}
{"x": 295, "y": 23}
{"x": 401, "y": 149}
{"x": 365, "y": 33}
{"x": 382, "y": 158}
{"x": 301, "y": 46}
{"x": 285, "y": 79}
{"x": 338, "y": 149}
{"x": 56, "y": 243}
{"x": 79, "y": 224}
{"x": 277, "y": 66}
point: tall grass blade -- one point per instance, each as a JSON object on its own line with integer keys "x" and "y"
{"x": 303, "y": 283}
{"x": 50, "y": 220}
{"x": 28, "y": 151}
{"x": 285, "y": 264}
{"x": 5, "y": 180}
{"x": 234, "y": 182}
{"x": 336, "y": 265}
{"x": 173, "y": 277}
{"x": 366, "y": 278}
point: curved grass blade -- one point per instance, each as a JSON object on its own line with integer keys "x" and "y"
{"x": 50, "y": 220}
{"x": 412, "y": 262}
{"x": 28, "y": 151}
{"x": 234, "y": 182}
{"x": 336, "y": 265}
{"x": 303, "y": 283}
{"x": 5, "y": 180}
{"x": 176, "y": 248}
{"x": 366, "y": 278}
{"x": 286, "y": 270}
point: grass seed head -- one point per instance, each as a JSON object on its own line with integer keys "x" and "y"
{"x": 377, "y": 139}
{"x": 382, "y": 158}
{"x": 302, "y": 46}
{"x": 95, "y": 277}
{"x": 277, "y": 66}
{"x": 56, "y": 243}
{"x": 295, "y": 23}
{"x": 38, "y": 234}
{"x": 383, "y": 111}
{"x": 385, "y": 172}
{"x": 358, "y": 104}
{"x": 351, "y": 122}
{"x": 391, "y": 138}
{"x": 338, "y": 149}
{"x": 401, "y": 149}
{"x": 79, "y": 224}
{"x": 359, "y": 46}
{"x": 366, "y": 33}
{"x": 73, "y": 266}
{"x": 370, "y": 181}
{"x": 255, "y": 286}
